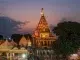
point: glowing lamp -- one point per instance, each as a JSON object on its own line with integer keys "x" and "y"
{"x": 23, "y": 55}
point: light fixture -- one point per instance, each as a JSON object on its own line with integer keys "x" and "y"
{"x": 23, "y": 55}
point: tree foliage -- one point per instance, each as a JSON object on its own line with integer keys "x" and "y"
{"x": 28, "y": 36}
{"x": 16, "y": 37}
{"x": 1, "y": 37}
{"x": 68, "y": 37}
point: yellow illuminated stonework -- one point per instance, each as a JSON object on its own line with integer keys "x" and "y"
{"x": 44, "y": 35}
{"x": 29, "y": 43}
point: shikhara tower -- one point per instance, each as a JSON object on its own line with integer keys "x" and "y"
{"x": 42, "y": 34}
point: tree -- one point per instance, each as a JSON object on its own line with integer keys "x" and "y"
{"x": 68, "y": 37}
{"x": 28, "y": 36}
{"x": 1, "y": 37}
{"x": 16, "y": 37}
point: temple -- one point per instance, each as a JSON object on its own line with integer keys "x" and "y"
{"x": 42, "y": 35}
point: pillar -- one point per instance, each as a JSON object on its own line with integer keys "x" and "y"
{"x": 10, "y": 56}
{"x": 7, "y": 55}
{"x": 37, "y": 52}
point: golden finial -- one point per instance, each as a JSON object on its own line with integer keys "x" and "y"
{"x": 42, "y": 13}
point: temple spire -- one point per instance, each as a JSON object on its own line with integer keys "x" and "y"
{"x": 42, "y": 12}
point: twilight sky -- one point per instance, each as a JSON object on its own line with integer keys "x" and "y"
{"x": 29, "y": 10}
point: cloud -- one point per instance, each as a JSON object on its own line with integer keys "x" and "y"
{"x": 9, "y": 26}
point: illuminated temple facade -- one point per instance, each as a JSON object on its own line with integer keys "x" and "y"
{"x": 43, "y": 38}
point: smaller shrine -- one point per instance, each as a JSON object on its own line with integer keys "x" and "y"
{"x": 25, "y": 41}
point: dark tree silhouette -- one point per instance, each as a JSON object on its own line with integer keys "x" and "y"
{"x": 68, "y": 37}
{"x": 16, "y": 37}
{"x": 1, "y": 37}
{"x": 28, "y": 36}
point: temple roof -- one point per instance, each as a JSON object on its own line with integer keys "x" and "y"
{"x": 13, "y": 43}
{"x": 42, "y": 25}
{"x": 1, "y": 41}
{"x": 6, "y": 45}
{"x": 23, "y": 41}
